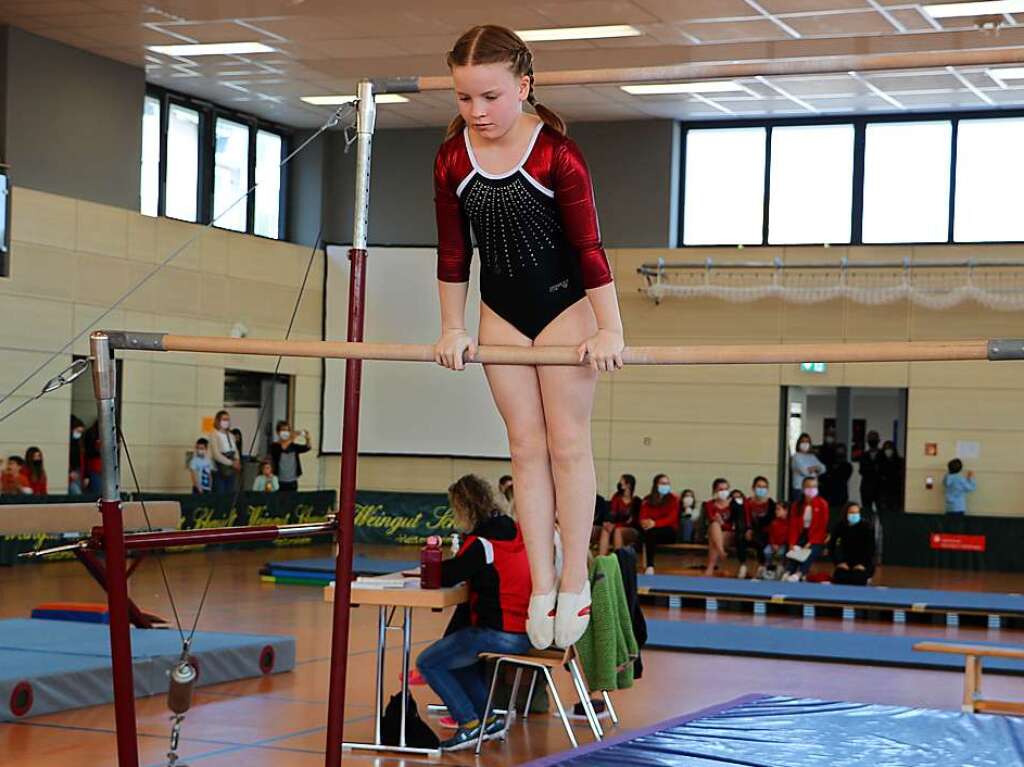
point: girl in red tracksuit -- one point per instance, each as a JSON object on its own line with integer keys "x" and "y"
{"x": 659, "y": 517}
{"x": 493, "y": 562}
{"x": 808, "y": 529}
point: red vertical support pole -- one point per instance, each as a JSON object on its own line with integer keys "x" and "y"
{"x": 350, "y": 436}
{"x": 105, "y": 384}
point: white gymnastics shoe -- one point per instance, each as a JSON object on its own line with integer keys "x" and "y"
{"x": 540, "y": 619}
{"x": 572, "y": 617}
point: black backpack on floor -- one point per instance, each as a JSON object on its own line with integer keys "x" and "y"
{"x": 417, "y": 732}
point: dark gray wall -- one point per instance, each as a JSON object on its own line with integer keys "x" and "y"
{"x": 634, "y": 166}
{"x": 304, "y": 204}
{"x": 73, "y": 121}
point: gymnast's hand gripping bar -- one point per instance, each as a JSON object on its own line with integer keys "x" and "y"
{"x": 708, "y": 354}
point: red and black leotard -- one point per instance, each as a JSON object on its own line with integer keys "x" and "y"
{"x": 536, "y": 228}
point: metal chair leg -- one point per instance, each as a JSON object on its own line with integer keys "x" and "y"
{"x": 611, "y": 709}
{"x": 510, "y": 716}
{"x": 561, "y": 709}
{"x": 585, "y": 702}
{"x": 529, "y": 695}
{"x": 487, "y": 707}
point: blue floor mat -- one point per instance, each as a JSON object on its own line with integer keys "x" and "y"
{"x": 804, "y": 644}
{"x": 904, "y": 599}
{"x": 776, "y": 731}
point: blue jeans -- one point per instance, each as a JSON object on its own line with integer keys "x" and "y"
{"x": 453, "y": 670}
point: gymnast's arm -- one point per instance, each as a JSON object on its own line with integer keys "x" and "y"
{"x": 454, "y": 251}
{"x": 574, "y": 193}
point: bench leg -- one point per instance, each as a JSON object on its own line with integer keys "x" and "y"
{"x": 511, "y": 715}
{"x": 529, "y": 695}
{"x": 561, "y": 709}
{"x": 611, "y": 708}
{"x": 584, "y": 693}
{"x": 972, "y": 682}
{"x": 490, "y": 702}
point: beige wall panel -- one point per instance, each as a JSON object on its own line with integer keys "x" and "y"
{"x": 42, "y": 271}
{"x": 489, "y": 469}
{"x": 967, "y": 375}
{"x": 142, "y": 238}
{"x": 683, "y": 403}
{"x": 35, "y": 323}
{"x": 45, "y": 219}
{"x": 172, "y": 235}
{"x": 805, "y": 323}
{"x": 792, "y": 375}
{"x": 102, "y": 229}
{"x": 213, "y": 251}
{"x": 724, "y": 442}
{"x": 177, "y": 425}
{"x": 887, "y": 374}
{"x": 967, "y": 320}
{"x": 994, "y": 497}
{"x": 884, "y": 322}
{"x": 961, "y": 409}
{"x": 1000, "y": 450}
{"x": 174, "y": 384}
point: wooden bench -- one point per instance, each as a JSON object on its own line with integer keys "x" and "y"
{"x": 680, "y": 547}
{"x": 973, "y": 701}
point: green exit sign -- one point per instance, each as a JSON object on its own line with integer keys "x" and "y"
{"x": 813, "y": 367}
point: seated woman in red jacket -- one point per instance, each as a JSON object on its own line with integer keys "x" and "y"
{"x": 623, "y": 525}
{"x": 808, "y": 531}
{"x": 721, "y": 513}
{"x": 659, "y": 518}
{"x": 492, "y": 561}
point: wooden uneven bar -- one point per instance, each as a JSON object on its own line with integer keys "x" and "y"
{"x": 878, "y": 351}
{"x": 810, "y": 65}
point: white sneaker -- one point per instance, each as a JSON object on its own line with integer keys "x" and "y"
{"x": 742, "y": 572}
{"x": 540, "y": 619}
{"x": 572, "y": 616}
{"x": 649, "y": 571}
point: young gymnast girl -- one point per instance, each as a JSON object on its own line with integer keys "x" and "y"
{"x": 522, "y": 186}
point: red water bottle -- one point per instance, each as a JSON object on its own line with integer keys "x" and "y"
{"x": 430, "y": 564}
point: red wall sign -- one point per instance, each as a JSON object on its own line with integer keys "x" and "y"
{"x": 952, "y": 542}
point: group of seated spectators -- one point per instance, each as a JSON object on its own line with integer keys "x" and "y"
{"x": 784, "y": 539}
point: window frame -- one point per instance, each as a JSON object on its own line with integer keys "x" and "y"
{"x": 208, "y": 115}
{"x": 860, "y": 123}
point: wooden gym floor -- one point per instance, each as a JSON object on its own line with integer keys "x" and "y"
{"x": 280, "y": 720}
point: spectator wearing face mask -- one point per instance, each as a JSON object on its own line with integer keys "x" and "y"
{"x": 890, "y": 479}
{"x": 224, "y": 451}
{"x": 689, "y": 515}
{"x": 200, "y": 466}
{"x": 808, "y": 531}
{"x": 284, "y": 454}
{"x": 33, "y": 473}
{"x": 803, "y": 464}
{"x": 721, "y": 515}
{"x": 853, "y": 548}
{"x": 870, "y": 464}
{"x": 76, "y": 458}
{"x": 835, "y": 485}
{"x": 957, "y": 486}
{"x": 758, "y": 513}
{"x": 659, "y": 518}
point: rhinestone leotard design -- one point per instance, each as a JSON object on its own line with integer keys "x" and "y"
{"x": 535, "y": 226}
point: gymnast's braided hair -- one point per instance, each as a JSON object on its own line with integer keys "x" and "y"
{"x": 491, "y": 44}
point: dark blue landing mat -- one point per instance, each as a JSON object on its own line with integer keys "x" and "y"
{"x": 361, "y": 565}
{"x": 810, "y": 645}
{"x": 854, "y": 596}
{"x": 776, "y": 731}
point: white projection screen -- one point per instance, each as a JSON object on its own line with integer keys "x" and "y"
{"x": 408, "y": 408}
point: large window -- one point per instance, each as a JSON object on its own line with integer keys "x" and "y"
{"x": 811, "y": 184}
{"x": 269, "y": 148}
{"x": 199, "y": 162}
{"x": 864, "y": 179}
{"x": 149, "y": 192}
{"x": 724, "y": 187}
{"x": 989, "y": 174}
{"x": 906, "y": 182}
{"x": 230, "y": 174}
{"x": 183, "y": 159}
